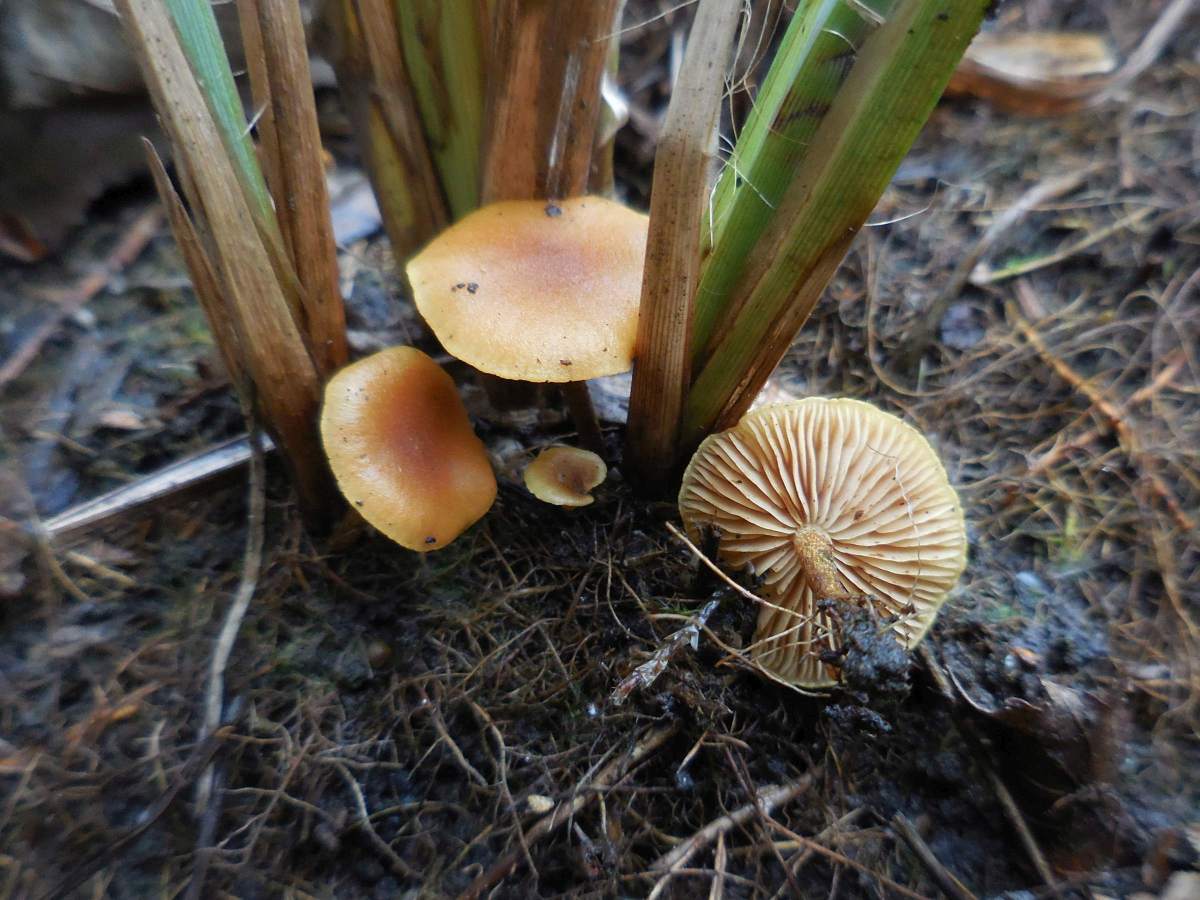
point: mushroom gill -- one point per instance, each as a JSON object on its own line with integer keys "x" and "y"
{"x": 828, "y": 500}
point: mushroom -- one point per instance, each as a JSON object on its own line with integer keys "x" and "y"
{"x": 564, "y": 475}
{"x": 402, "y": 449}
{"x": 535, "y": 291}
{"x": 829, "y": 501}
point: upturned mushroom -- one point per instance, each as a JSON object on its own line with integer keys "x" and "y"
{"x": 403, "y": 451}
{"x": 534, "y": 291}
{"x": 565, "y": 476}
{"x": 829, "y": 502}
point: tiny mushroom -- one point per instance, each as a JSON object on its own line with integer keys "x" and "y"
{"x": 829, "y": 501}
{"x": 565, "y": 475}
{"x": 532, "y": 291}
{"x": 402, "y": 449}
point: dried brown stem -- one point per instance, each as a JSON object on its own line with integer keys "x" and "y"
{"x": 682, "y": 177}
{"x": 375, "y": 88}
{"x": 277, "y": 59}
{"x": 274, "y": 351}
{"x": 540, "y": 120}
{"x": 204, "y": 280}
{"x": 583, "y": 414}
{"x": 543, "y": 100}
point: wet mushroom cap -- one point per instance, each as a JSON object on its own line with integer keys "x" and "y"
{"x": 536, "y": 291}
{"x": 565, "y": 475}
{"x": 402, "y": 448}
{"x": 796, "y": 487}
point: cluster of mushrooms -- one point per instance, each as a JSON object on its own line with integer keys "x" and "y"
{"x": 828, "y": 502}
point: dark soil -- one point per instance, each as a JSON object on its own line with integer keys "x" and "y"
{"x": 399, "y": 725}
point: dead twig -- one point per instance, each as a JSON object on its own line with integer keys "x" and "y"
{"x": 173, "y": 480}
{"x": 844, "y": 860}
{"x": 765, "y": 801}
{"x": 647, "y": 673}
{"x": 1011, "y": 811}
{"x": 794, "y": 864}
{"x": 214, "y": 699}
{"x": 605, "y": 778}
{"x": 944, "y": 877}
{"x": 984, "y": 275}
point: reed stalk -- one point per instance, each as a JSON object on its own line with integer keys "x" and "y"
{"x": 444, "y": 46}
{"x": 683, "y": 164}
{"x": 894, "y": 82}
{"x": 364, "y": 44}
{"x": 816, "y": 54}
{"x": 290, "y": 149}
{"x": 232, "y": 240}
{"x": 540, "y": 124}
{"x": 543, "y": 99}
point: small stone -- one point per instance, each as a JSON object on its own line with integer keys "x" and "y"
{"x": 378, "y": 654}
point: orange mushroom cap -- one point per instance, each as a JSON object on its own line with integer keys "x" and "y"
{"x": 533, "y": 291}
{"x": 403, "y": 451}
{"x": 564, "y": 475}
{"x": 828, "y": 499}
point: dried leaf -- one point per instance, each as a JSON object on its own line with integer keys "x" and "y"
{"x": 1038, "y": 73}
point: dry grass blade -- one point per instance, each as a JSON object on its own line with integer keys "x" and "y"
{"x": 277, "y": 59}
{"x": 366, "y": 53}
{"x": 682, "y": 168}
{"x": 274, "y": 352}
{"x": 544, "y": 94}
{"x": 204, "y": 280}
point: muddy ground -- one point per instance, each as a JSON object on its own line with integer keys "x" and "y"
{"x": 407, "y": 726}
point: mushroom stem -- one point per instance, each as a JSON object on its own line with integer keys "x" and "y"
{"x": 583, "y": 414}
{"x": 506, "y": 395}
{"x": 815, "y": 551}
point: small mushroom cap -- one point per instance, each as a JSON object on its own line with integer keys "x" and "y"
{"x": 839, "y": 470}
{"x": 564, "y": 475}
{"x": 402, "y": 449}
{"x": 534, "y": 291}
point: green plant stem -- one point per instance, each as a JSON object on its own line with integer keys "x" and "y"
{"x": 364, "y": 44}
{"x": 814, "y": 58}
{"x": 893, "y": 86}
{"x": 444, "y": 54}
